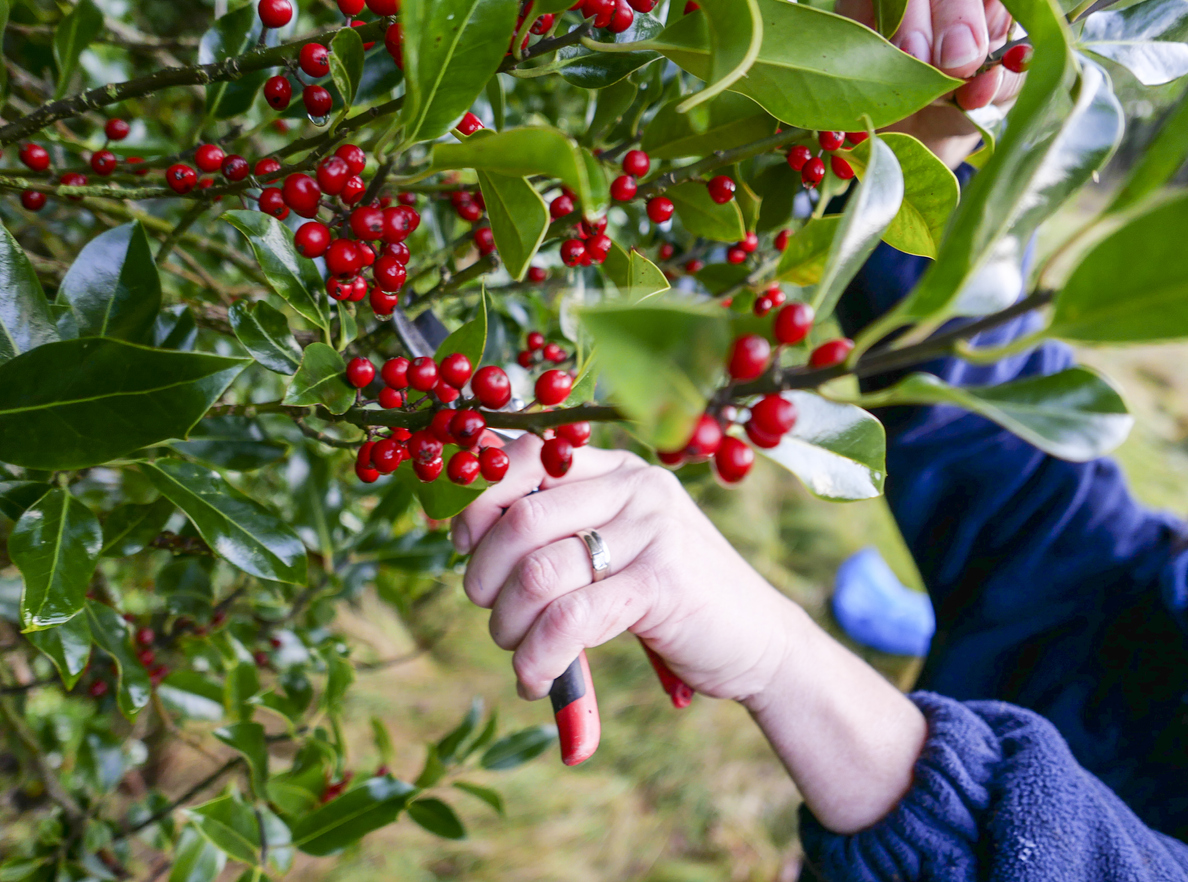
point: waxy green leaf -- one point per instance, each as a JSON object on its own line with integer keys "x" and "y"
{"x": 196, "y": 859}
{"x": 321, "y": 379}
{"x": 701, "y": 216}
{"x": 112, "y": 634}
{"x": 346, "y": 65}
{"x": 518, "y": 748}
{"x": 332, "y": 827}
{"x": 888, "y": 15}
{"x": 437, "y": 817}
{"x": 230, "y": 826}
{"x": 294, "y": 278}
{"x": 113, "y": 287}
{"x": 634, "y": 275}
{"x": 234, "y": 34}
{"x": 73, "y": 34}
{"x": 803, "y": 260}
{"x": 25, "y": 321}
{"x": 248, "y": 739}
{"x": 237, "y": 528}
{"x": 519, "y": 219}
{"x": 735, "y": 35}
{"x": 16, "y": 496}
{"x": 80, "y": 403}
{"x": 130, "y": 527}
{"x": 67, "y": 645}
{"x": 1149, "y": 39}
{"x": 231, "y": 442}
{"x": 265, "y": 334}
{"x": 1161, "y": 159}
{"x": 470, "y": 339}
{"x": 733, "y": 120}
{"x": 598, "y": 70}
{"x": 55, "y": 545}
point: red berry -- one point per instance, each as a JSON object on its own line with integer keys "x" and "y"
{"x": 622, "y": 18}
{"x": 146, "y": 637}
{"x": 422, "y": 373}
{"x": 491, "y": 387}
{"x": 358, "y": 289}
{"x": 384, "y": 7}
{"x": 275, "y": 13}
{"x": 387, "y": 454}
{"x": 136, "y": 160}
{"x": 636, "y": 163}
{"x": 98, "y": 689}
{"x": 428, "y": 472}
{"x": 830, "y": 140}
{"x": 318, "y": 101}
{"x": 394, "y": 43}
{"x": 388, "y": 397}
{"x": 643, "y": 5}
{"x": 278, "y": 92}
{"x": 424, "y": 446}
{"x": 383, "y": 303}
{"x": 798, "y": 156}
{"x": 469, "y": 124}
{"x": 146, "y": 657}
{"x": 312, "y": 239}
{"x": 209, "y": 157}
{"x": 856, "y": 138}
{"x": 572, "y": 252}
{"x": 749, "y": 357}
{"x": 666, "y": 250}
{"x": 694, "y": 266}
{"x": 353, "y": 190}
{"x": 577, "y": 434}
{"x": 552, "y": 387}
{"x": 776, "y": 294}
{"x": 774, "y": 415}
{"x": 34, "y": 156}
{"x": 735, "y": 254}
{"x": 561, "y": 207}
{"x": 749, "y": 242}
{"x": 337, "y": 288}
{"x": 103, "y": 162}
{"x": 181, "y": 178}
{"x": 484, "y": 240}
{"x": 760, "y": 438}
{"x": 397, "y": 251}
{"x": 781, "y": 239}
{"x": 494, "y": 463}
{"x": 543, "y": 24}
{"x": 456, "y": 369}
{"x": 350, "y": 8}
{"x": 704, "y": 441}
{"x": 691, "y": 6}
{"x": 272, "y": 202}
{"x": 302, "y": 194}
{"x": 360, "y": 372}
{"x": 396, "y": 223}
{"x": 366, "y": 474}
{"x": 343, "y": 258}
{"x": 1018, "y": 58}
{"x": 721, "y": 189}
{"x": 314, "y": 59}
{"x": 525, "y": 359}
{"x": 32, "y": 200}
{"x": 557, "y": 456}
{"x": 598, "y": 9}
{"x": 389, "y": 274}
{"x": 763, "y": 305}
{"x": 623, "y": 188}
{"x": 445, "y": 392}
{"x": 598, "y": 247}
{"x": 832, "y": 352}
{"x": 674, "y": 459}
{"x": 439, "y": 426}
{"x": 354, "y": 157}
{"x": 463, "y": 468}
{"x": 267, "y": 166}
{"x": 660, "y": 209}
{"x": 367, "y": 223}
{"x": 395, "y": 372}
{"x": 469, "y": 211}
{"x": 733, "y": 460}
{"x": 409, "y": 199}
{"x": 794, "y": 322}
{"x": 535, "y": 340}
{"x": 813, "y": 172}
{"x": 554, "y": 353}
{"x": 467, "y": 427}
{"x": 333, "y": 173}
{"x": 537, "y": 274}
{"x": 116, "y": 130}
{"x": 236, "y": 168}
{"x": 841, "y": 168}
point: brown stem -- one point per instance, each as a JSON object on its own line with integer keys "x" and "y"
{"x": 544, "y": 47}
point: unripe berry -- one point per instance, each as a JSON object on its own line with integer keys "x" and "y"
{"x": 467, "y": 427}
{"x": 333, "y": 173}
{"x": 577, "y": 434}
{"x": 360, "y": 372}
{"x": 275, "y": 13}
{"x": 272, "y": 202}
{"x": 32, "y": 200}
{"x": 116, "y": 130}
{"x": 841, "y": 168}
{"x": 463, "y": 468}
{"x": 422, "y": 373}
{"x": 318, "y": 101}
{"x": 733, "y": 460}
{"x": 469, "y": 124}
{"x": 424, "y": 446}
{"x": 774, "y": 414}
{"x": 781, "y": 239}
{"x": 1018, "y": 58}
{"x": 314, "y": 59}
{"x": 798, "y": 156}
{"x": 235, "y": 168}
{"x": 623, "y": 188}
{"x": 456, "y": 369}
{"x": 389, "y": 274}
{"x": 572, "y": 252}
{"x": 557, "y": 456}
{"x": 559, "y": 207}
{"x": 748, "y": 357}
{"x": 494, "y": 463}
{"x": 367, "y": 223}
{"x": 34, "y": 156}
{"x": 354, "y": 157}
{"x": 209, "y": 157}
{"x": 103, "y": 162}
{"x": 830, "y": 141}
{"x": 552, "y": 387}
{"x": 343, "y": 258}
{"x": 491, "y": 387}
{"x": 832, "y": 352}
{"x": 181, "y": 178}
{"x": 278, "y": 92}
{"x": 312, "y": 239}
{"x": 721, "y": 189}
{"x": 813, "y": 172}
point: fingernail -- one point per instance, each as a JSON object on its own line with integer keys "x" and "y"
{"x": 916, "y": 45}
{"x": 460, "y": 535}
{"x": 957, "y": 48}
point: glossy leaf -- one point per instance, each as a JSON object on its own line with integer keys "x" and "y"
{"x": 25, "y": 321}
{"x": 613, "y": 103}
{"x": 733, "y": 120}
{"x": 598, "y": 70}
{"x": 294, "y": 278}
{"x": 130, "y": 527}
{"x": 523, "y": 152}
{"x": 451, "y": 49}
{"x": 175, "y": 328}
{"x": 16, "y": 496}
{"x": 497, "y": 98}
{"x": 237, "y": 528}
{"x": 837, "y": 450}
{"x": 346, "y": 64}
{"x": 113, "y": 287}
{"x": 55, "y": 545}
{"x": 735, "y": 35}
{"x": 803, "y": 260}
{"x": 779, "y": 186}
{"x": 192, "y": 696}
{"x": 1161, "y": 159}
{"x": 869, "y": 212}
{"x": 248, "y": 739}
{"x": 930, "y": 193}
{"x": 345, "y": 820}
{"x": 439, "y": 499}
{"x": 234, "y": 34}
{"x": 321, "y": 379}
{"x": 470, "y": 339}
{"x": 437, "y": 817}
{"x": 196, "y": 859}
{"x": 264, "y": 332}
{"x": 518, "y": 748}
{"x": 1075, "y": 414}
{"x": 448, "y": 747}
{"x": 888, "y": 15}
{"x": 1149, "y": 39}
{"x": 815, "y": 69}
{"x": 231, "y": 442}
{"x": 701, "y": 216}
{"x": 112, "y": 634}
{"x": 486, "y": 794}
{"x": 67, "y": 645}
{"x": 634, "y": 275}
{"x": 184, "y": 583}
{"x": 74, "y": 33}
{"x": 1132, "y": 287}
{"x": 519, "y": 219}
{"x": 230, "y": 825}
{"x": 661, "y": 362}
{"x": 80, "y": 403}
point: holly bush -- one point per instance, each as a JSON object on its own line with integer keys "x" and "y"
{"x": 243, "y": 333}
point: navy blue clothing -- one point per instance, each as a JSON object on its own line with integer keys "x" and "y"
{"x": 1054, "y": 591}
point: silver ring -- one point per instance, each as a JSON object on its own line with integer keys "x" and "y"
{"x": 599, "y": 553}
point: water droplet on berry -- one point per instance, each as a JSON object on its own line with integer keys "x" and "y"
{"x": 320, "y": 121}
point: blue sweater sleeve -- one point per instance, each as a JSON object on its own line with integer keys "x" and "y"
{"x": 997, "y": 796}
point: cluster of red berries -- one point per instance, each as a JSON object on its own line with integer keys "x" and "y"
{"x": 812, "y": 168}
{"x": 537, "y": 351}
{"x": 615, "y": 16}
{"x": 103, "y": 162}
{"x": 590, "y": 245}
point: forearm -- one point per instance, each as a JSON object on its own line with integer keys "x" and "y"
{"x": 848, "y": 738}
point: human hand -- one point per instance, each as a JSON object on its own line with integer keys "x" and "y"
{"x": 674, "y": 580}
{"x": 956, "y": 36}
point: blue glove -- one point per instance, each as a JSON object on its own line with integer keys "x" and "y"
{"x": 877, "y": 610}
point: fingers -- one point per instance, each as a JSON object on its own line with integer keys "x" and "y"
{"x": 998, "y": 22}
{"x": 535, "y": 521}
{"x": 960, "y": 39}
{"x": 577, "y": 620}
{"x": 544, "y": 575}
{"x": 1009, "y": 89}
{"x": 981, "y": 90}
{"x": 861, "y": 11}
{"x": 915, "y": 31}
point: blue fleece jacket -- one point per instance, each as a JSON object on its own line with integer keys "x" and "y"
{"x": 1054, "y": 591}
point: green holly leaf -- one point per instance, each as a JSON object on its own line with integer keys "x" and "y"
{"x": 437, "y": 817}
{"x": 519, "y": 219}
{"x": 888, "y": 15}
{"x": 25, "y": 321}
{"x": 1149, "y": 39}
{"x": 634, "y": 275}
{"x": 343, "y": 821}
{"x": 803, "y": 260}
{"x": 234, "y": 34}
{"x": 264, "y": 332}
{"x": 113, "y": 287}
{"x": 231, "y": 442}
{"x": 55, "y": 545}
{"x": 68, "y": 646}
{"x": 733, "y": 120}
{"x": 321, "y": 379}
{"x": 598, "y": 70}
{"x": 518, "y": 748}
{"x": 701, "y": 216}
{"x": 72, "y": 35}
{"x": 113, "y": 635}
{"x": 130, "y": 527}
{"x": 196, "y": 859}
{"x": 248, "y": 739}
{"x": 735, "y": 36}
{"x": 1157, "y": 164}
{"x": 294, "y": 278}
{"x": 346, "y": 65}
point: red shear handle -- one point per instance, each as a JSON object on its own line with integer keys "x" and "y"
{"x": 678, "y": 690}
{"x": 575, "y": 708}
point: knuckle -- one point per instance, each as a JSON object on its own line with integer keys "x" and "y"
{"x": 567, "y": 616}
{"x": 526, "y": 516}
{"x": 536, "y": 575}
